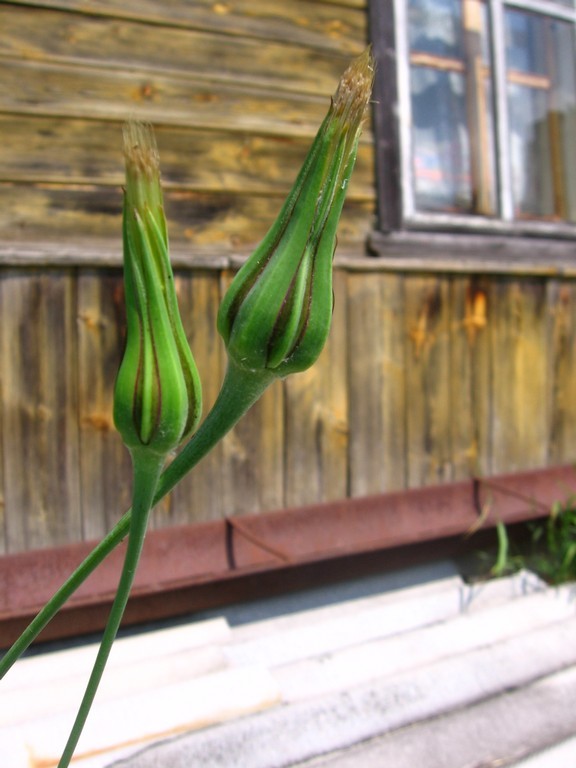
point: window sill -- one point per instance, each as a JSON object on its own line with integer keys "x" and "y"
{"x": 464, "y": 253}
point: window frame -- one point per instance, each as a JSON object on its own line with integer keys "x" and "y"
{"x": 392, "y": 115}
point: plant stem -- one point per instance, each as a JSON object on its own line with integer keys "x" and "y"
{"x": 147, "y": 470}
{"x": 240, "y": 390}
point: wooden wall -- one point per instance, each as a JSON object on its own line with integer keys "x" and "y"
{"x": 427, "y": 377}
{"x": 236, "y": 90}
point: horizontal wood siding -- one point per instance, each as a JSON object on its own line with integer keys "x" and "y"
{"x": 235, "y": 90}
{"x": 426, "y": 378}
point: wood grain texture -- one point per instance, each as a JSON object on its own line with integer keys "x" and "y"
{"x": 104, "y": 463}
{"x": 561, "y": 342}
{"x": 80, "y": 90}
{"x": 58, "y": 214}
{"x": 324, "y": 24}
{"x": 50, "y": 36}
{"x": 68, "y": 152}
{"x": 521, "y": 374}
{"x": 427, "y": 328}
{"x": 236, "y": 93}
{"x": 377, "y": 383}
{"x": 469, "y": 378}
{"x": 40, "y": 403}
{"x": 253, "y": 458}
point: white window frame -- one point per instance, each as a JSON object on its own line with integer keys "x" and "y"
{"x": 504, "y": 222}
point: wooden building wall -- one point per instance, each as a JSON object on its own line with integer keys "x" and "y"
{"x": 428, "y": 376}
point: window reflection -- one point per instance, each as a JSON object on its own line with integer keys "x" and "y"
{"x": 454, "y": 159}
{"x": 452, "y": 115}
{"x": 541, "y": 91}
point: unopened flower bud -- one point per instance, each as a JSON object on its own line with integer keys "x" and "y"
{"x": 277, "y": 312}
{"x": 157, "y": 397}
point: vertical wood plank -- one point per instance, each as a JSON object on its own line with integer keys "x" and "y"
{"x": 105, "y": 466}
{"x": 562, "y": 388}
{"x": 39, "y": 365}
{"x": 316, "y": 407}
{"x": 469, "y": 381}
{"x": 521, "y": 378}
{"x": 377, "y": 379}
{"x": 429, "y": 450}
{"x": 253, "y": 458}
{"x": 198, "y": 497}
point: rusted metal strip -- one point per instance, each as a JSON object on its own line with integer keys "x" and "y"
{"x": 183, "y": 562}
{"x": 238, "y": 524}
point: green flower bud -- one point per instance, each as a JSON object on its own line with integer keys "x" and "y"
{"x": 157, "y": 397}
{"x": 277, "y": 312}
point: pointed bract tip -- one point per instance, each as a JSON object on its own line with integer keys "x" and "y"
{"x": 140, "y": 149}
{"x": 355, "y": 87}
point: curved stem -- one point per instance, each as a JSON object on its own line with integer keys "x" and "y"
{"x": 240, "y": 390}
{"x": 146, "y": 474}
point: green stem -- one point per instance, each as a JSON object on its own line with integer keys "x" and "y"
{"x": 146, "y": 475}
{"x": 240, "y": 390}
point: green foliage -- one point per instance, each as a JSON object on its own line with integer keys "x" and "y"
{"x": 551, "y": 550}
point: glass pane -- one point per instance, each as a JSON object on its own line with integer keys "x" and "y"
{"x": 541, "y": 65}
{"x": 435, "y": 26}
{"x": 452, "y": 116}
{"x": 440, "y": 141}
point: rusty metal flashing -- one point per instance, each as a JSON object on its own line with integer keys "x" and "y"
{"x": 189, "y": 568}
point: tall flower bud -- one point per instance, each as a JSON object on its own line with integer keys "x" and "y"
{"x": 157, "y": 397}
{"x": 277, "y": 312}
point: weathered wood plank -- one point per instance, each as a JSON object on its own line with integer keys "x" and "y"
{"x": 429, "y": 450}
{"x": 377, "y": 383}
{"x": 67, "y": 151}
{"x": 316, "y": 418}
{"x": 334, "y": 26}
{"x": 469, "y": 380}
{"x": 40, "y": 398}
{"x": 46, "y": 36}
{"x": 252, "y": 458}
{"x": 198, "y": 497}
{"x": 104, "y": 462}
{"x": 521, "y": 360}
{"x": 84, "y": 91}
{"x": 58, "y": 213}
{"x": 561, "y": 341}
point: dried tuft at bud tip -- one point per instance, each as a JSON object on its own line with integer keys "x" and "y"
{"x": 355, "y": 87}
{"x": 140, "y": 149}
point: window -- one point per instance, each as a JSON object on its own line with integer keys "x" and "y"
{"x": 477, "y": 120}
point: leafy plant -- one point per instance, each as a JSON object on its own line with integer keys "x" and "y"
{"x": 551, "y": 549}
